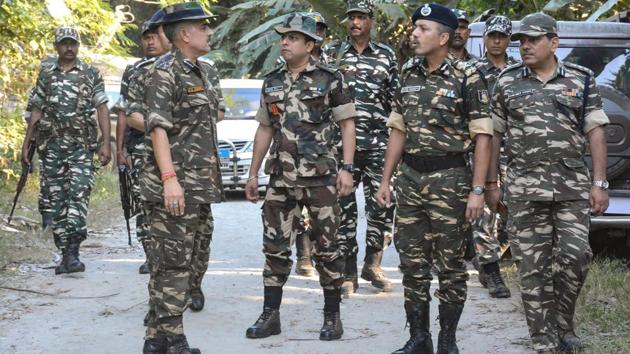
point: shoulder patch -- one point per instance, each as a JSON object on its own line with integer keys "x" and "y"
{"x": 165, "y": 61}
{"x": 583, "y": 69}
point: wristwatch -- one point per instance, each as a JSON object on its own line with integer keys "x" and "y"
{"x": 478, "y": 190}
{"x": 347, "y": 167}
{"x": 603, "y": 184}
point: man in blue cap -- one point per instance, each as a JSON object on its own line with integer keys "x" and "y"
{"x": 130, "y": 137}
{"x": 181, "y": 175}
{"x": 440, "y": 115}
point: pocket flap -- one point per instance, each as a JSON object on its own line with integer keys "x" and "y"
{"x": 521, "y": 101}
{"x": 573, "y": 102}
{"x": 571, "y": 162}
{"x": 310, "y": 93}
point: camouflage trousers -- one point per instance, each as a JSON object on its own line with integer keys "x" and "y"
{"x": 431, "y": 231}
{"x": 281, "y": 215}
{"x": 368, "y": 168}
{"x": 485, "y": 235}
{"x": 551, "y": 239}
{"x": 67, "y": 173}
{"x": 136, "y": 156}
{"x": 179, "y": 250}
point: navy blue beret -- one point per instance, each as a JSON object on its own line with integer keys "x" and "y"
{"x": 437, "y": 13}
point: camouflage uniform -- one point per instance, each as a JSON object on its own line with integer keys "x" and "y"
{"x": 66, "y": 141}
{"x": 182, "y": 98}
{"x": 303, "y": 168}
{"x": 547, "y": 188}
{"x": 131, "y": 94}
{"x": 439, "y": 121}
{"x": 486, "y": 229}
{"x": 372, "y": 78}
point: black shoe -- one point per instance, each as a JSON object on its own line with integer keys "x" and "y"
{"x": 197, "y": 300}
{"x": 332, "y": 328}
{"x": 73, "y": 263}
{"x": 420, "y": 337}
{"x": 144, "y": 268}
{"x": 496, "y": 286}
{"x": 570, "y": 343}
{"x": 179, "y": 345}
{"x": 268, "y": 324}
{"x": 449, "y": 318}
{"x": 372, "y": 271}
{"x": 154, "y": 346}
{"x": 61, "y": 267}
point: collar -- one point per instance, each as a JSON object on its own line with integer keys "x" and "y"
{"x": 78, "y": 64}
{"x": 186, "y": 64}
{"x": 311, "y": 66}
{"x": 444, "y": 69}
{"x": 488, "y": 64}
{"x": 349, "y": 43}
{"x": 560, "y": 70}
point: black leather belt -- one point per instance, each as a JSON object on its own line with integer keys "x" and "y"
{"x": 431, "y": 164}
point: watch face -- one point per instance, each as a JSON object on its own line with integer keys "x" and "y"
{"x": 477, "y": 190}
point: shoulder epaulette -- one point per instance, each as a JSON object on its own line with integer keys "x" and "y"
{"x": 143, "y": 62}
{"x": 583, "y": 69}
{"x": 332, "y": 44}
{"x": 205, "y": 61}
{"x": 165, "y": 61}
{"x": 385, "y": 46}
{"x": 411, "y": 63}
{"x": 274, "y": 69}
{"x": 326, "y": 67}
{"x": 511, "y": 68}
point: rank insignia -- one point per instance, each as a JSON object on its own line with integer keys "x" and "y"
{"x": 573, "y": 93}
{"x": 446, "y": 93}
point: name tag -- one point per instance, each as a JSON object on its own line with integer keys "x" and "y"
{"x": 273, "y": 89}
{"x": 194, "y": 89}
{"x": 520, "y": 94}
{"x": 406, "y": 89}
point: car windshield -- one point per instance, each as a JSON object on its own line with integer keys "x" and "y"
{"x": 241, "y": 103}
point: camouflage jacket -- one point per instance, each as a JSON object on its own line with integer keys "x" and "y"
{"x": 468, "y": 58}
{"x": 302, "y": 113}
{"x": 442, "y": 111}
{"x": 372, "y": 77}
{"x": 132, "y": 88}
{"x": 183, "y": 99}
{"x": 544, "y": 139}
{"x": 489, "y": 72}
{"x": 68, "y": 101}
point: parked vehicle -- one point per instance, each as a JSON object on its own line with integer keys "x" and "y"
{"x": 603, "y": 47}
{"x": 236, "y": 132}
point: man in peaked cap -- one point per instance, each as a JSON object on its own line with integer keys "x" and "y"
{"x": 371, "y": 71}
{"x": 130, "y": 137}
{"x": 300, "y": 101}
{"x": 181, "y": 175}
{"x": 67, "y": 94}
{"x": 440, "y": 115}
{"x": 496, "y": 40}
{"x": 462, "y": 33}
{"x": 548, "y": 110}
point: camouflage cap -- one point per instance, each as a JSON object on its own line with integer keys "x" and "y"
{"x": 499, "y": 24}
{"x": 461, "y": 15}
{"x": 299, "y": 22}
{"x": 363, "y": 6}
{"x": 319, "y": 19}
{"x": 185, "y": 11}
{"x": 66, "y": 32}
{"x": 536, "y": 25}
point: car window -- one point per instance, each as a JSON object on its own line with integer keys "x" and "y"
{"x": 241, "y": 103}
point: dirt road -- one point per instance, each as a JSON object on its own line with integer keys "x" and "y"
{"x": 101, "y": 310}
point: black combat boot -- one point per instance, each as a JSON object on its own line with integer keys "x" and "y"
{"x": 351, "y": 279}
{"x": 332, "y": 328}
{"x": 197, "y": 300}
{"x": 179, "y": 345}
{"x": 420, "y": 337}
{"x": 372, "y": 271}
{"x": 154, "y": 346}
{"x": 61, "y": 267}
{"x": 449, "y": 317}
{"x": 570, "y": 343}
{"x": 304, "y": 264}
{"x": 268, "y": 323}
{"x": 73, "y": 263}
{"x": 144, "y": 267}
{"x": 494, "y": 281}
